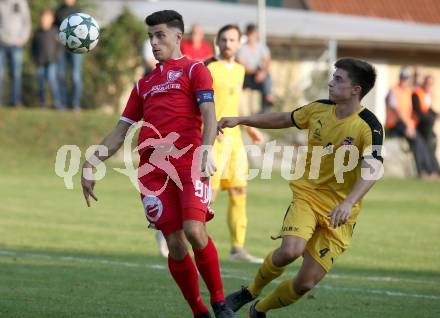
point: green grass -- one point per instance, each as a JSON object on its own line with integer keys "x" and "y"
{"x": 59, "y": 258}
{"x": 36, "y": 134}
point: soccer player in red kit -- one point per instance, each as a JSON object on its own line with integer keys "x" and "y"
{"x": 173, "y": 101}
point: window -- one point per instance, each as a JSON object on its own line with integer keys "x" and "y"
{"x": 274, "y": 3}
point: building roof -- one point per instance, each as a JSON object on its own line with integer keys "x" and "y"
{"x": 422, "y": 11}
{"x": 288, "y": 24}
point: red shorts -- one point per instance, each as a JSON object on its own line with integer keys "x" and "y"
{"x": 168, "y": 203}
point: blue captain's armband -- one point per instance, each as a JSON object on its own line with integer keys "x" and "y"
{"x": 205, "y": 97}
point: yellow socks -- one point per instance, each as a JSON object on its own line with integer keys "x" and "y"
{"x": 266, "y": 273}
{"x": 237, "y": 220}
{"x": 282, "y": 296}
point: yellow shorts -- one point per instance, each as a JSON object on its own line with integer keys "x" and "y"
{"x": 325, "y": 244}
{"x": 231, "y": 162}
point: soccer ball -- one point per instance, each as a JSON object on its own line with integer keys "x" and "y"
{"x": 79, "y": 33}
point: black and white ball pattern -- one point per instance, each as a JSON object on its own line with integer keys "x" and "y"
{"x": 79, "y": 33}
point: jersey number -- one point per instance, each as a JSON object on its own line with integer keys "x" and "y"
{"x": 202, "y": 191}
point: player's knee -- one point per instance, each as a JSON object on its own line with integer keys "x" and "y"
{"x": 237, "y": 191}
{"x": 175, "y": 245}
{"x": 177, "y": 248}
{"x": 196, "y": 235}
{"x": 288, "y": 255}
{"x": 303, "y": 286}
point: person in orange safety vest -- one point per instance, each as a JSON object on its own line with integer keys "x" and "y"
{"x": 425, "y": 116}
{"x": 402, "y": 122}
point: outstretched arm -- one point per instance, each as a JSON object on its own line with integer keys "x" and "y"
{"x": 265, "y": 121}
{"x": 112, "y": 143}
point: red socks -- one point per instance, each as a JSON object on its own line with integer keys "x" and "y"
{"x": 185, "y": 274}
{"x": 209, "y": 268}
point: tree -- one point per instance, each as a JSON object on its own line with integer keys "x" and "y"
{"x": 109, "y": 70}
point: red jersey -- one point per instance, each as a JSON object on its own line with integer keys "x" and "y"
{"x": 202, "y": 53}
{"x": 168, "y": 99}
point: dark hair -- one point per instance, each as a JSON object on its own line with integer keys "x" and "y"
{"x": 46, "y": 11}
{"x": 360, "y": 72}
{"x": 251, "y": 28}
{"x": 228, "y": 27}
{"x": 171, "y": 18}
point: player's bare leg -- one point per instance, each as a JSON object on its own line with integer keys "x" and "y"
{"x": 237, "y": 223}
{"x": 291, "y": 248}
{"x": 291, "y": 290}
{"x": 214, "y": 195}
{"x": 176, "y": 245}
{"x": 310, "y": 274}
{"x": 273, "y": 266}
{"x": 195, "y": 232}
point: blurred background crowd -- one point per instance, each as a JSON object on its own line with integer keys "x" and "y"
{"x": 286, "y": 50}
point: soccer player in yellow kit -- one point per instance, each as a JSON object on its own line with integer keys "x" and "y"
{"x": 321, "y": 217}
{"x": 229, "y": 153}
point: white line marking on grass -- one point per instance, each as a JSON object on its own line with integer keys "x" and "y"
{"x": 349, "y": 289}
{"x": 379, "y": 292}
{"x": 81, "y": 260}
{"x": 370, "y": 278}
{"x": 382, "y": 279}
{"x": 238, "y": 277}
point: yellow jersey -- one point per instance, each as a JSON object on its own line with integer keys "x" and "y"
{"x": 324, "y": 174}
{"x": 227, "y": 84}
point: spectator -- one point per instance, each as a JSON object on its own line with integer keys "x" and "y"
{"x": 197, "y": 48}
{"x": 148, "y": 58}
{"x": 425, "y": 116}
{"x": 69, "y": 59}
{"x": 417, "y": 77}
{"x": 400, "y": 122}
{"x": 15, "y": 30}
{"x": 255, "y": 57}
{"x": 45, "y": 52}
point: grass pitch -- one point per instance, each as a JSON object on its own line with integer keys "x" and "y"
{"x": 59, "y": 258}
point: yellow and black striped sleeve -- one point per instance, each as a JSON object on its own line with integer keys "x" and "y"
{"x": 373, "y": 136}
{"x": 300, "y": 116}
